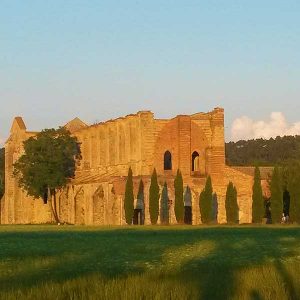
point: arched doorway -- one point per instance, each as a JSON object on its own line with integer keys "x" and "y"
{"x": 98, "y": 206}
{"x": 286, "y": 203}
{"x": 187, "y": 198}
{"x": 168, "y": 161}
{"x": 64, "y": 205}
{"x": 139, "y": 206}
{"x": 138, "y": 215}
{"x": 80, "y": 207}
{"x": 195, "y": 162}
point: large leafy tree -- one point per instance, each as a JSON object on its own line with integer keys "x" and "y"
{"x": 179, "y": 205}
{"x": 205, "y": 202}
{"x": 129, "y": 198}
{"x": 48, "y": 164}
{"x": 257, "y": 198}
{"x": 154, "y": 198}
{"x": 2, "y": 177}
{"x": 231, "y": 205}
{"x": 164, "y": 206}
{"x": 276, "y": 196}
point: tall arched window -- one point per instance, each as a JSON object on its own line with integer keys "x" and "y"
{"x": 168, "y": 161}
{"x": 195, "y": 161}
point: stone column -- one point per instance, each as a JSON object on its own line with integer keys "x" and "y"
{"x": 217, "y": 159}
{"x": 93, "y": 146}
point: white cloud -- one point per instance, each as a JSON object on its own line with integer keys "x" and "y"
{"x": 244, "y": 128}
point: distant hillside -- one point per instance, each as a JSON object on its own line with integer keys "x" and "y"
{"x": 263, "y": 152}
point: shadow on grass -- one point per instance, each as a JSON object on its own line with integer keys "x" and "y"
{"x": 237, "y": 249}
{"x": 254, "y": 295}
{"x": 287, "y": 280}
{"x": 59, "y": 255}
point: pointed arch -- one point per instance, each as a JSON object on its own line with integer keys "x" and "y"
{"x": 79, "y": 207}
{"x": 187, "y": 198}
{"x": 195, "y": 162}
{"x": 98, "y": 206}
{"x": 167, "y": 160}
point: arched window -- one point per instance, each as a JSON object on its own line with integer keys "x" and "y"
{"x": 195, "y": 161}
{"x": 168, "y": 161}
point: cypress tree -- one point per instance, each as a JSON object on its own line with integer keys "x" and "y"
{"x": 141, "y": 201}
{"x": 276, "y": 196}
{"x": 179, "y": 205}
{"x": 215, "y": 208}
{"x": 231, "y": 205}
{"x": 129, "y": 198}
{"x": 293, "y": 185}
{"x": 164, "y": 206}
{"x": 154, "y": 198}
{"x": 205, "y": 202}
{"x": 257, "y": 198}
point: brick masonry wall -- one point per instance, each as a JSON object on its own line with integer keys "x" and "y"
{"x": 138, "y": 141}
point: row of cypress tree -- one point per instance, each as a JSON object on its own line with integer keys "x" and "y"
{"x": 207, "y": 201}
{"x": 284, "y": 187}
{"x": 154, "y": 197}
{"x": 284, "y": 181}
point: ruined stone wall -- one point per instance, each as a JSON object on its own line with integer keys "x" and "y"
{"x": 243, "y": 184}
{"x": 212, "y": 124}
{"x": 110, "y": 148}
{"x": 17, "y": 207}
{"x": 138, "y": 141}
{"x": 166, "y": 133}
{"x": 90, "y": 204}
{"x": 203, "y": 133}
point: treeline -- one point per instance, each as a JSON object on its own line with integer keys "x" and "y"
{"x": 275, "y": 151}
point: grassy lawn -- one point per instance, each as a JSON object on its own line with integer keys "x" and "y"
{"x": 68, "y": 262}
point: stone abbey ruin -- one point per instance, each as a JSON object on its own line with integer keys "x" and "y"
{"x": 192, "y": 143}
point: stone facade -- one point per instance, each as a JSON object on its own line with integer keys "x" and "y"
{"x": 192, "y": 143}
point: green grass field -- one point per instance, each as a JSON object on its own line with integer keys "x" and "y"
{"x": 67, "y": 262}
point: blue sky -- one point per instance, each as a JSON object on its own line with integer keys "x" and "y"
{"x": 103, "y": 59}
